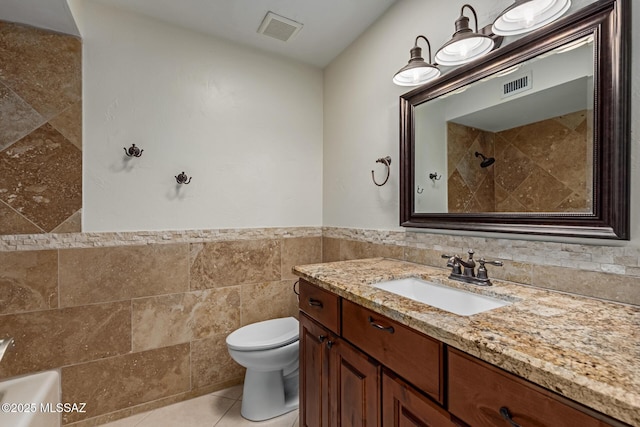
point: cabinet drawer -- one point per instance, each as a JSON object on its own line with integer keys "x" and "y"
{"x": 415, "y": 357}
{"x": 320, "y": 305}
{"x": 478, "y": 392}
{"x": 402, "y": 405}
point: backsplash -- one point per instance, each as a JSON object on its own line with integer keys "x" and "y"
{"x": 40, "y": 131}
{"x": 606, "y": 272}
{"x": 136, "y": 321}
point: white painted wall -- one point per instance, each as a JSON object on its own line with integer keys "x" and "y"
{"x": 246, "y": 125}
{"x": 361, "y": 111}
{"x": 361, "y": 115}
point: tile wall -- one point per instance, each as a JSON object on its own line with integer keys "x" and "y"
{"x": 541, "y": 167}
{"x": 601, "y": 271}
{"x": 40, "y": 131}
{"x": 136, "y": 321}
{"x": 134, "y": 324}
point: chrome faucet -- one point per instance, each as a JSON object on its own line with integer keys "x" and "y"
{"x": 464, "y": 271}
{"x": 4, "y": 345}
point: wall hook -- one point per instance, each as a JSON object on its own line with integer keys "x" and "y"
{"x": 420, "y": 190}
{"x": 182, "y": 178}
{"x": 387, "y": 162}
{"x": 133, "y": 151}
{"x": 434, "y": 177}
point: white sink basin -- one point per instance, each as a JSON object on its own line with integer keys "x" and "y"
{"x": 32, "y": 399}
{"x": 440, "y": 296}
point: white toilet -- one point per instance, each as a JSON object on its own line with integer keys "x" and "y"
{"x": 269, "y": 351}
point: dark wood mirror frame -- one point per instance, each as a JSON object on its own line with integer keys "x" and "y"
{"x": 608, "y": 21}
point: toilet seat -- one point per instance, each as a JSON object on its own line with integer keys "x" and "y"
{"x": 264, "y": 335}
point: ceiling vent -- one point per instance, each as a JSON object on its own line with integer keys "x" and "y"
{"x": 517, "y": 85}
{"x": 279, "y": 27}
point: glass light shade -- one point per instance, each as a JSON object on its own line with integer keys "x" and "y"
{"x": 416, "y": 74}
{"x": 417, "y": 71}
{"x": 527, "y": 15}
{"x": 463, "y": 48}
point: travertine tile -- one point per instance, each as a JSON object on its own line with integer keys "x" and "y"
{"x": 351, "y": 249}
{"x": 69, "y": 124}
{"x": 109, "y": 274}
{"x": 301, "y": 250}
{"x": 541, "y": 201}
{"x": 268, "y": 300}
{"x": 28, "y": 281}
{"x": 514, "y": 271}
{"x": 41, "y": 177}
{"x": 44, "y": 68}
{"x": 119, "y": 382}
{"x": 11, "y": 222}
{"x": 73, "y": 224}
{"x": 219, "y": 264}
{"x": 459, "y": 139}
{"x": 459, "y": 194}
{"x": 614, "y": 287}
{"x": 54, "y": 338}
{"x": 17, "y": 118}
{"x": 211, "y": 363}
{"x": 330, "y": 249}
{"x": 172, "y": 319}
{"x": 425, "y": 256}
{"x": 511, "y": 168}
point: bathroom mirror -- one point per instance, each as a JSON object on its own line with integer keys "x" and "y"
{"x": 533, "y": 138}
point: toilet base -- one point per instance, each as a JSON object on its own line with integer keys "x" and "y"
{"x": 269, "y": 394}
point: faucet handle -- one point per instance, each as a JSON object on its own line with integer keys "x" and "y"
{"x": 483, "y": 261}
{"x": 452, "y": 261}
{"x": 482, "y": 270}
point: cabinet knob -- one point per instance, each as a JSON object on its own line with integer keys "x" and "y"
{"x": 321, "y": 338}
{"x": 329, "y": 344}
{"x": 504, "y": 411}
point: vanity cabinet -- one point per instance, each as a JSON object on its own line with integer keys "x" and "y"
{"x": 359, "y": 368}
{"x": 403, "y": 406}
{"x": 485, "y": 396}
{"x": 339, "y": 385}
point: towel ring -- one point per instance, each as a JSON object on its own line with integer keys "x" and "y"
{"x": 387, "y": 162}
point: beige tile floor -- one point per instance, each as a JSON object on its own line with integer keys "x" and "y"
{"x": 219, "y": 409}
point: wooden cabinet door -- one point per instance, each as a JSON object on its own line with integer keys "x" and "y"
{"x": 314, "y": 373}
{"x": 404, "y": 406}
{"x": 355, "y": 387}
{"x": 486, "y": 396}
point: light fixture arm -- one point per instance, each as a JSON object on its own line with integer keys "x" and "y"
{"x": 428, "y": 45}
{"x": 475, "y": 17}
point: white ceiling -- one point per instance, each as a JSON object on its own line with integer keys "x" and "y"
{"x": 329, "y": 25}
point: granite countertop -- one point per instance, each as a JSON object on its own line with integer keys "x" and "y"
{"x": 585, "y": 349}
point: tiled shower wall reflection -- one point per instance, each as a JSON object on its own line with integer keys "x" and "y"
{"x": 40, "y": 131}
{"x": 540, "y": 167}
{"x": 134, "y": 327}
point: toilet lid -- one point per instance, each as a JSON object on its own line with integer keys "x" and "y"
{"x": 263, "y": 335}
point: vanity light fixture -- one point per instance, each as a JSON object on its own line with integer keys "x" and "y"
{"x": 417, "y": 71}
{"x": 466, "y": 44}
{"x": 524, "y": 16}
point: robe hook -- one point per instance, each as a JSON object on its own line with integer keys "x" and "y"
{"x": 434, "y": 176}
{"x": 182, "y": 178}
{"x": 387, "y": 162}
{"x": 133, "y": 151}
